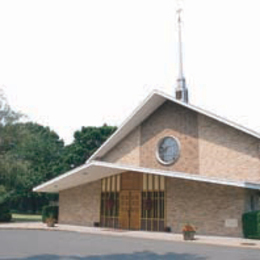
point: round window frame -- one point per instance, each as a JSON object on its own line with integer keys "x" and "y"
{"x": 158, "y": 146}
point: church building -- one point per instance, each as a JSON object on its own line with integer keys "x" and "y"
{"x": 170, "y": 163}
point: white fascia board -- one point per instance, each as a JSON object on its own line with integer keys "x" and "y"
{"x": 99, "y": 170}
{"x": 60, "y": 177}
{"x": 146, "y": 108}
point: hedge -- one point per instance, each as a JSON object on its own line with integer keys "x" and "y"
{"x": 5, "y": 214}
{"x": 50, "y": 212}
{"x": 251, "y": 224}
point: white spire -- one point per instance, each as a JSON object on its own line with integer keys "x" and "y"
{"x": 181, "y": 91}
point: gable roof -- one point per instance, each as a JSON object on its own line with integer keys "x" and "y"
{"x": 97, "y": 170}
{"x": 145, "y": 109}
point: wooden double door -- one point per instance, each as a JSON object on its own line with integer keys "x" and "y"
{"x": 130, "y": 209}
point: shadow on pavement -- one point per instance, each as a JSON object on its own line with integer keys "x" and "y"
{"x": 132, "y": 256}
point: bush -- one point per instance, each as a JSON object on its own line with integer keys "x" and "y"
{"x": 50, "y": 212}
{"x": 251, "y": 224}
{"x": 5, "y": 214}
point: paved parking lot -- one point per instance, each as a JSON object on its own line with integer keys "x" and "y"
{"x": 60, "y": 245}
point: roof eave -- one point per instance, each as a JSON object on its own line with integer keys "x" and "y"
{"x": 107, "y": 169}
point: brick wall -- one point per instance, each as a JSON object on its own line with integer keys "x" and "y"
{"x": 207, "y": 206}
{"x": 80, "y": 205}
{"x": 226, "y": 152}
{"x": 127, "y": 151}
{"x": 171, "y": 119}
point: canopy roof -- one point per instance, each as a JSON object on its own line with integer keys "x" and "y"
{"x": 96, "y": 170}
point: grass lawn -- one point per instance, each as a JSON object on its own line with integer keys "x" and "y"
{"x": 26, "y": 218}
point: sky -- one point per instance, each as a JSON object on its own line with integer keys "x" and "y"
{"x": 68, "y": 64}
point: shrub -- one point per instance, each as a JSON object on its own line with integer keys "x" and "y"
{"x": 5, "y": 214}
{"x": 251, "y": 224}
{"x": 50, "y": 212}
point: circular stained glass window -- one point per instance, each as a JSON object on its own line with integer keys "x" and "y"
{"x": 168, "y": 150}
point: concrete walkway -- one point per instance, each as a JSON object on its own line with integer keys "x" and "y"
{"x": 210, "y": 240}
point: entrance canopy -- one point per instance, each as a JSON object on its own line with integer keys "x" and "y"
{"x": 97, "y": 170}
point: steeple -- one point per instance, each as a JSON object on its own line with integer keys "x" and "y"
{"x": 181, "y": 92}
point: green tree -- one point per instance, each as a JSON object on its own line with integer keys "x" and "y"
{"x": 31, "y": 154}
{"x": 32, "y": 159}
{"x": 8, "y": 117}
{"x": 86, "y": 142}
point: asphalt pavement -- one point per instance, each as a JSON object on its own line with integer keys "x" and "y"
{"x": 60, "y": 245}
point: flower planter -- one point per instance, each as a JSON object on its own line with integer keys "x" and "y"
{"x": 189, "y": 235}
{"x": 50, "y": 222}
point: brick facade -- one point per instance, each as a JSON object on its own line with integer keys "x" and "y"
{"x": 80, "y": 205}
{"x": 171, "y": 119}
{"x": 226, "y": 152}
{"x": 127, "y": 151}
{"x": 207, "y": 206}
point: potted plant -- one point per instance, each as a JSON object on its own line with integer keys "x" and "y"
{"x": 50, "y": 221}
{"x": 188, "y": 231}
